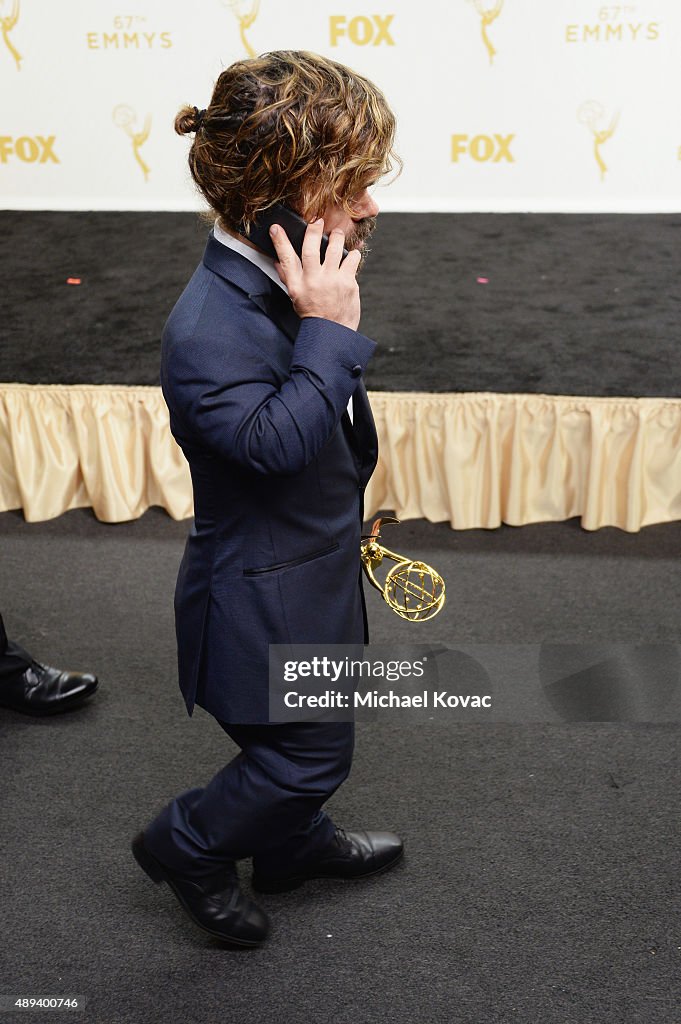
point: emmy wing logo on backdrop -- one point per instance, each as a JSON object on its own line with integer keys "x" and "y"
{"x": 246, "y": 19}
{"x": 592, "y": 114}
{"x": 7, "y": 23}
{"x": 488, "y": 13}
{"x": 124, "y": 117}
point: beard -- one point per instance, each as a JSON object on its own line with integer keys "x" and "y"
{"x": 363, "y": 231}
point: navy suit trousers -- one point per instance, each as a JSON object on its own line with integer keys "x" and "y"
{"x": 13, "y": 659}
{"x": 266, "y": 803}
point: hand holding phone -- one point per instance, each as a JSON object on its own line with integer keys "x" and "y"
{"x": 292, "y": 223}
{"x": 325, "y": 289}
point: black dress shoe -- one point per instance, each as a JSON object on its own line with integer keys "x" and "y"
{"x": 348, "y": 855}
{"x": 216, "y": 903}
{"x": 43, "y": 690}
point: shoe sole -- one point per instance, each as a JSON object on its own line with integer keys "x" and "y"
{"x": 157, "y": 873}
{"x": 65, "y": 704}
{"x": 289, "y": 884}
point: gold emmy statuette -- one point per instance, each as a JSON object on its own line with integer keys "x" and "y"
{"x": 590, "y": 114}
{"x": 414, "y": 590}
{"x": 7, "y": 23}
{"x": 124, "y": 117}
{"x": 245, "y": 20}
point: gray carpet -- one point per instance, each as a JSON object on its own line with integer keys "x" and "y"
{"x": 542, "y": 874}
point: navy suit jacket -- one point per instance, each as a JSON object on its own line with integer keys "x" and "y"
{"x": 257, "y": 401}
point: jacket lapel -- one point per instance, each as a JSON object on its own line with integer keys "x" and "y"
{"x": 278, "y": 307}
{"x": 364, "y": 429}
{"x": 260, "y": 288}
{"x": 275, "y": 303}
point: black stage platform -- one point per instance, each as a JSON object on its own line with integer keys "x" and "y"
{"x": 575, "y": 304}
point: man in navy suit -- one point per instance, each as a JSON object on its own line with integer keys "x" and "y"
{"x": 262, "y": 366}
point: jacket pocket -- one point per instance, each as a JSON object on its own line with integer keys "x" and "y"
{"x": 294, "y": 561}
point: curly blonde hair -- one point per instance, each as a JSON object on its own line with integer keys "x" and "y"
{"x": 288, "y": 126}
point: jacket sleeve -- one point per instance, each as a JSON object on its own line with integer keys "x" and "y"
{"x": 231, "y": 399}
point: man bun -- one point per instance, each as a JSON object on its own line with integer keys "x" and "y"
{"x": 187, "y": 121}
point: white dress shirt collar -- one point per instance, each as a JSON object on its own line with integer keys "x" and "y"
{"x": 254, "y": 255}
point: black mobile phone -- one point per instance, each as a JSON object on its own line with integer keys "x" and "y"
{"x": 292, "y": 223}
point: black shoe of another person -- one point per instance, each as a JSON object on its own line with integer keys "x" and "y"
{"x": 43, "y": 690}
{"x": 348, "y": 855}
{"x": 216, "y": 903}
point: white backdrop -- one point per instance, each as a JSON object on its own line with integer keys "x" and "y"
{"x": 565, "y": 105}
